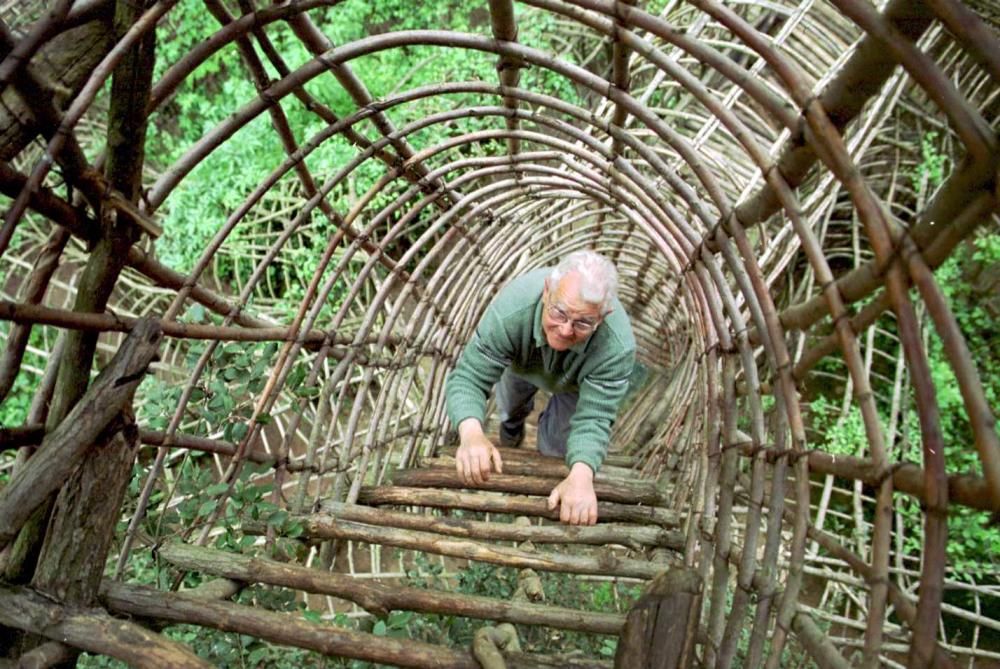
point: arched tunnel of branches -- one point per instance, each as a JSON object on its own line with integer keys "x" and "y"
{"x": 245, "y": 242}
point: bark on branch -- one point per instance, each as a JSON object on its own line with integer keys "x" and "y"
{"x": 379, "y": 599}
{"x": 280, "y": 628}
{"x": 65, "y": 62}
{"x": 518, "y": 505}
{"x": 92, "y": 630}
{"x": 327, "y": 527}
{"x": 907, "y": 477}
{"x": 634, "y": 492}
{"x": 633, "y": 536}
{"x": 49, "y": 654}
{"x": 659, "y": 631}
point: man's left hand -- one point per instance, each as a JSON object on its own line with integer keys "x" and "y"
{"x": 575, "y": 496}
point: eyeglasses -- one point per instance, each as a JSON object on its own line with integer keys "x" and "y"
{"x": 561, "y": 317}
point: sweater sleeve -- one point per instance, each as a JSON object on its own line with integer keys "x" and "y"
{"x": 601, "y": 392}
{"x": 479, "y": 367}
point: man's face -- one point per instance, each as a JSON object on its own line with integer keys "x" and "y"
{"x": 565, "y": 316}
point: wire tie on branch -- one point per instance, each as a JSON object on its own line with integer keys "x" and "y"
{"x": 796, "y": 455}
{"x": 865, "y": 396}
{"x": 773, "y": 455}
{"x": 804, "y": 110}
{"x": 706, "y": 351}
{"x": 845, "y": 316}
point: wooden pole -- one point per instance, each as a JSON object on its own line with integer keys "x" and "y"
{"x": 92, "y": 630}
{"x": 634, "y": 536}
{"x": 381, "y": 598}
{"x": 281, "y": 628}
{"x": 524, "y": 461}
{"x": 513, "y": 504}
{"x": 504, "y": 26}
{"x": 327, "y": 527}
{"x": 624, "y": 492}
{"x": 49, "y": 654}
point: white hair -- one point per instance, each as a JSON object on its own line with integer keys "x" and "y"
{"x": 598, "y": 277}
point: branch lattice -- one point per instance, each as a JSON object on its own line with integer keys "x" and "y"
{"x": 785, "y": 188}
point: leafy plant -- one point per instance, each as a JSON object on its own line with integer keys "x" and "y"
{"x": 933, "y": 165}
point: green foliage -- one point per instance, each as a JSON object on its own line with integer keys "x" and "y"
{"x": 223, "y": 398}
{"x": 933, "y": 164}
{"x": 14, "y": 409}
{"x": 838, "y": 435}
{"x": 15, "y": 406}
{"x": 199, "y": 206}
{"x": 968, "y": 280}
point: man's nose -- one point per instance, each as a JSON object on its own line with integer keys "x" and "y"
{"x": 566, "y": 329}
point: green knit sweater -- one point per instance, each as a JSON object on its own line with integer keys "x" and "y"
{"x": 510, "y": 335}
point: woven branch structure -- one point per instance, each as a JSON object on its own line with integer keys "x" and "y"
{"x": 758, "y": 172}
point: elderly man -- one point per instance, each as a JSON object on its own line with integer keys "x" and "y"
{"x": 563, "y": 330}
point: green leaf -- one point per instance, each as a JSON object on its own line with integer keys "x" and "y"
{"x": 239, "y": 430}
{"x": 307, "y": 391}
{"x": 216, "y": 489}
{"x": 208, "y": 507}
{"x": 258, "y": 655}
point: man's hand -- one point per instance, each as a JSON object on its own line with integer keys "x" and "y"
{"x": 477, "y": 455}
{"x": 575, "y": 496}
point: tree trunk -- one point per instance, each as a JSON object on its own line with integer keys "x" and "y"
{"x": 83, "y": 522}
{"x": 93, "y": 420}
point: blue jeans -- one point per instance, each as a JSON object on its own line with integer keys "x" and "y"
{"x": 515, "y": 400}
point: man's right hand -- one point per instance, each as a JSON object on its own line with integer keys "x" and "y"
{"x": 477, "y": 455}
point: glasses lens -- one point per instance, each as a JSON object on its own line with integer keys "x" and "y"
{"x": 561, "y": 317}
